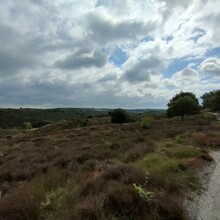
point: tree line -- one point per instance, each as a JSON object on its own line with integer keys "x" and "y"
{"x": 186, "y": 103}
{"x": 183, "y": 103}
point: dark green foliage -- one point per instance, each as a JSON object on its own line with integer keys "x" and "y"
{"x": 211, "y": 100}
{"x": 14, "y": 118}
{"x": 119, "y": 116}
{"x": 183, "y": 94}
{"x": 183, "y": 104}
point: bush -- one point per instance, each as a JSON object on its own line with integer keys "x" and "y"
{"x": 19, "y": 205}
{"x": 178, "y": 139}
{"x": 119, "y": 116}
{"x": 27, "y": 125}
{"x": 125, "y": 203}
{"x": 146, "y": 122}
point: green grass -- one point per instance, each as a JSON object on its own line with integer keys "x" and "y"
{"x": 181, "y": 152}
{"x": 146, "y": 122}
{"x": 155, "y": 163}
{"x": 168, "y": 173}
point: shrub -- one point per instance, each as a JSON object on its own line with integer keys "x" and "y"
{"x": 170, "y": 207}
{"x": 145, "y": 195}
{"x": 137, "y": 152}
{"x": 146, "y": 122}
{"x": 27, "y": 125}
{"x": 207, "y": 139}
{"x": 54, "y": 198}
{"x": 119, "y": 116}
{"x": 125, "y": 173}
{"x": 19, "y": 205}
{"x": 89, "y": 207}
{"x": 178, "y": 138}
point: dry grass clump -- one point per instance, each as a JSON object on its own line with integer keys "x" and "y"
{"x": 207, "y": 139}
{"x": 138, "y": 151}
{"x": 20, "y": 205}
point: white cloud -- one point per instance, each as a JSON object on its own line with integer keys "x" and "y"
{"x": 186, "y": 76}
{"x": 211, "y": 65}
{"x": 59, "y": 51}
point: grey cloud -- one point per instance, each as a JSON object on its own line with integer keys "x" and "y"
{"x": 143, "y": 69}
{"x": 177, "y": 3}
{"x": 103, "y": 30}
{"x": 107, "y": 78}
{"x": 13, "y": 51}
{"x": 47, "y": 94}
{"x": 19, "y": 51}
{"x": 211, "y": 22}
{"x": 115, "y": 6}
{"x": 82, "y": 59}
{"x": 11, "y": 63}
{"x": 171, "y": 5}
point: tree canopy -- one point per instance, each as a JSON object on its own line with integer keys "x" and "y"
{"x": 211, "y": 100}
{"x": 184, "y": 103}
{"x": 183, "y": 94}
{"x": 119, "y": 116}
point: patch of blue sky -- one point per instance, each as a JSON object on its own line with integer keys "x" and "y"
{"x": 146, "y": 39}
{"x": 118, "y": 57}
{"x": 179, "y": 64}
{"x": 168, "y": 38}
{"x": 213, "y": 53}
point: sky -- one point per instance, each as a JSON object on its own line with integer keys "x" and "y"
{"x": 107, "y": 53}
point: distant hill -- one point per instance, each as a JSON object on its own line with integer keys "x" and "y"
{"x": 135, "y": 110}
{"x": 14, "y": 118}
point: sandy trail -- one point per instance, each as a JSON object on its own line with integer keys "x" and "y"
{"x": 209, "y": 203}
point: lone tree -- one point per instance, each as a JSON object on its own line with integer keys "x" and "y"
{"x": 119, "y": 116}
{"x": 184, "y": 103}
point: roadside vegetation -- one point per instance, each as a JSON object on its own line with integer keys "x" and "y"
{"x": 116, "y": 171}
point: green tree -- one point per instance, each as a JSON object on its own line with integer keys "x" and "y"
{"x": 182, "y": 94}
{"x": 119, "y": 116}
{"x": 211, "y": 100}
{"x": 181, "y": 105}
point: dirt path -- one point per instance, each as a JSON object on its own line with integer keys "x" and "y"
{"x": 209, "y": 202}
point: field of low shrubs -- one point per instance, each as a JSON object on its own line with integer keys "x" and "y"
{"x": 130, "y": 171}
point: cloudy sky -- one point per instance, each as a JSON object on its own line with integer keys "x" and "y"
{"x": 107, "y": 53}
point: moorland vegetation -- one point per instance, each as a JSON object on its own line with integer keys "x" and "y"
{"x": 142, "y": 169}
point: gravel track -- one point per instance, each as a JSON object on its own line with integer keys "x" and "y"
{"x": 206, "y": 206}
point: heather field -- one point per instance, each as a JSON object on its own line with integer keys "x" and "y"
{"x": 143, "y": 169}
